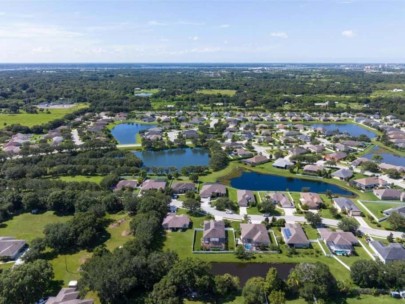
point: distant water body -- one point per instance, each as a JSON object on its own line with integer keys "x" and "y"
{"x": 158, "y": 66}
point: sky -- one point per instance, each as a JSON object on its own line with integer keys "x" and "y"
{"x": 240, "y": 31}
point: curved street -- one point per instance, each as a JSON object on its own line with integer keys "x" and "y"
{"x": 364, "y": 227}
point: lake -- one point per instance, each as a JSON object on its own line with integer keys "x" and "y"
{"x": 269, "y": 182}
{"x": 125, "y": 134}
{"x": 351, "y": 129}
{"x": 178, "y": 158}
{"x": 244, "y": 271}
{"x": 387, "y": 157}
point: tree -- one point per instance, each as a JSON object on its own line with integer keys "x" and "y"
{"x": 312, "y": 280}
{"x": 267, "y": 206}
{"x": 273, "y": 281}
{"x": 393, "y": 173}
{"x": 254, "y": 291}
{"x": 370, "y": 166}
{"x": 277, "y": 297}
{"x": 314, "y": 219}
{"x": 377, "y": 158}
{"x": 241, "y": 253}
{"x": 348, "y": 224}
{"x": 365, "y": 273}
{"x": 25, "y": 283}
{"x": 192, "y": 275}
{"x": 396, "y": 221}
{"x": 37, "y": 247}
{"x": 226, "y": 285}
{"x": 192, "y": 204}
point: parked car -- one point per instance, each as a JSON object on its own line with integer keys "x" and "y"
{"x": 266, "y": 215}
{"x": 229, "y": 212}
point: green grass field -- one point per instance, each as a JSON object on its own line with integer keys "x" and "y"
{"x": 30, "y": 120}
{"x": 215, "y": 92}
{"x": 378, "y": 207}
{"x": 29, "y": 226}
{"x": 82, "y": 178}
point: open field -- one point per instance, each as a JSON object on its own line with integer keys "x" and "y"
{"x": 378, "y": 207}
{"x": 66, "y": 267}
{"x": 29, "y": 226}
{"x": 82, "y": 178}
{"x": 29, "y": 120}
{"x": 215, "y": 92}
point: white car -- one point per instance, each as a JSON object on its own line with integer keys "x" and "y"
{"x": 229, "y": 212}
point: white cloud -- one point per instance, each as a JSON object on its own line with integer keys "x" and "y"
{"x": 41, "y": 49}
{"x": 2, "y": 13}
{"x": 224, "y": 26}
{"x": 194, "y": 38}
{"x": 348, "y": 33}
{"x": 156, "y": 23}
{"x": 282, "y": 35}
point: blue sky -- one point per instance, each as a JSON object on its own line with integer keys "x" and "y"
{"x": 202, "y": 31}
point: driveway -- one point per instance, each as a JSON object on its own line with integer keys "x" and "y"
{"x": 242, "y": 211}
{"x": 289, "y": 211}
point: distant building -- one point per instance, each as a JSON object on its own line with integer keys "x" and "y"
{"x": 294, "y": 236}
{"x": 390, "y": 253}
{"x": 126, "y": 184}
{"x": 255, "y": 235}
{"x": 245, "y": 197}
{"x": 280, "y": 199}
{"x": 369, "y": 183}
{"x": 310, "y": 199}
{"x": 344, "y": 204}
{"x": 68, "y": 296}
{"x": 340, "y": 243}
{"x": 151, "y": 184}
{"x": 210, "y": 190}
{"x": 342, "y": 174}
{"x": 256, "y": 160}
{"x": 389, "y": 194}
{"x": 183, "y": 187}
{"x": 11, "y": 248}
{"x": 282, "y": 163}
{"x": 214, "y": 236}
{"x": 176, "y": 222}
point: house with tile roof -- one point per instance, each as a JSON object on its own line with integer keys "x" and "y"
{"x": 255, "y": 235}
{"x": 294, "y": 236}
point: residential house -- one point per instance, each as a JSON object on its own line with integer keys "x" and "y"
{"x": 390, "y": 253}
{"x": 256, "y": 160}
{"x": 255, "y": 235}
{"x": 339, "y": 242}
{"x": 245, "y": 198}
{"x": 312, "y": 169}
{"x": 126, "y": 184}
{"x": 389, "y": 194}
{"x": 183, "y": 187}
{"x": 400, "y": 210}
{"x": 214, "y": 236}
{"x": 242, "y": 153}
{"x": 281, "y": 199}
{"x": 282, "y": 163}
{"x": 315, "y": 148}
{"x": 11, "y": 248}
{"x": 189, "y": 134}
{"x": 151, "y": 184}
{"x": 369, "y": 183}
{"x": 210, "y": 190}
{"x": 298, "y": 151}
{"x": 176, "y": 222}
{"x": 346, "y": 205}
{"x": 336, "y": 157}
{"x": 68, "y": 296}
{"x": 294, "y": 236}
{"x": 310, "y": 199}
{"x": 343, "y": 174}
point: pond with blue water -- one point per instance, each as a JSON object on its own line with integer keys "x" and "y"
{"x": 125, "y": 134}
{"x": 351, "y": 129}
{"x": 178, "y": 158}
{"x": 268, "y": 182}
{"x": 387, "y": 157}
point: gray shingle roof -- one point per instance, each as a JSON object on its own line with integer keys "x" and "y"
{"x": 392, "y": 252}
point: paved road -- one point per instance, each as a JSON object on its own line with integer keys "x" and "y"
{"x": 364, "y": 227}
